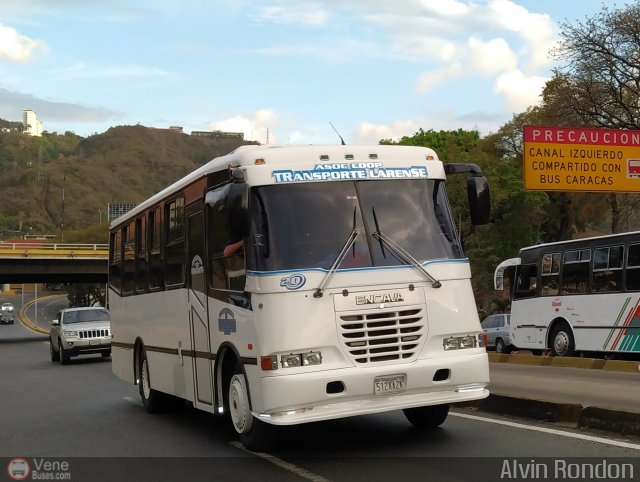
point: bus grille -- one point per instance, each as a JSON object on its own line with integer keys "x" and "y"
{"x": 374, "y": 337}
{"x": 93, "y": 333}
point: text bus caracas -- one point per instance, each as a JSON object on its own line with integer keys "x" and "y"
{"x": 576, "y": 296}
{"x": 347, "y": 294}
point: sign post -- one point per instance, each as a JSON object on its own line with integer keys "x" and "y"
{"x": 581, "y": 159}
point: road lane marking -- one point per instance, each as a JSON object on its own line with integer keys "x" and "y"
{"x": 562, "y": 433}
{"x": 294, "y": 469}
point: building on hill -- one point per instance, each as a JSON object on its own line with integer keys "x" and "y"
{"x": 30, "y": 123}
{"x": 219, "y": 134}
{"x": 115, "y": 210}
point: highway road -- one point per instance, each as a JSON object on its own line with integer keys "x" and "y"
{"x": 587, "y": 387}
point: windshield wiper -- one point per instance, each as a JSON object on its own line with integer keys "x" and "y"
{"x": 400, "y": 252}
{"x": 336, "y": 264}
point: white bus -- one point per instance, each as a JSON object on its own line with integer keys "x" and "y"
{"x": 348, "y": 292}
{"x": 576, "y": 296}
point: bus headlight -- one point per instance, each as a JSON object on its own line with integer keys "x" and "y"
{"x": 459, "y": 342}
{"x": 290, "y": 361}
{"x": 311, "y": 358}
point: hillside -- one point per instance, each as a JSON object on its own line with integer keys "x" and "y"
{"x": 123, "y": 164}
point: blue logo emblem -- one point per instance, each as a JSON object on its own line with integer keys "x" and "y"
{"x": 294, "y": 281}
{"x": 226, "y": 321}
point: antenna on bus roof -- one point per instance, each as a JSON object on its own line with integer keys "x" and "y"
{"x": 341, "y": 139}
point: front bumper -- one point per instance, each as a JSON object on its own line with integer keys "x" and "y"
{"x": 302, "y": 398}
{"x": 87, "y": 346}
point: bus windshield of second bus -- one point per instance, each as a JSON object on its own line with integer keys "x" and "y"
{"x": 313, "y": 234}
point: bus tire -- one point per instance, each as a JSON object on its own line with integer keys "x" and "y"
{"x": 152, "y": 400}
{"x": 428, "y": 417}
{"x": 562, "y": 343}
{"x": 254, "y": 434}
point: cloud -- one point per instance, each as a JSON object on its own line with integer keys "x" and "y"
{"x": 295, "y": 14}
{"x": 429, "y": 80}
{"x": 15, "y": 47}
{"x": 85, "y": 71}
{"x": 519, "y": 90}
{"x": 13, "y": 103}
{"x": 368, "y": 133}
{"x": 259, "y": 125}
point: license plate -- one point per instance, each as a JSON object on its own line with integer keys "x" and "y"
{"x": 389, "y": 384}
{"x": 94, "y": 342}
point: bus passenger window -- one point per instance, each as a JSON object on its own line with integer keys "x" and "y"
{"x": 550, "y": 274}
{"x": 607, "y": 269}
{"x": 633, "y": 268}
{"x": 526, "y": 278}
{"x": 575, "y": 271}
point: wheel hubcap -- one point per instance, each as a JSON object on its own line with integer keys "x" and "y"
{"x": 239, "y": 405}
{"x": 146, "y": 388}
{"x": 561, "y": 343}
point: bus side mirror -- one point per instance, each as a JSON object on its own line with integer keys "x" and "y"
{"x": 479, "y": 199}
{"x": 238, "y": 206}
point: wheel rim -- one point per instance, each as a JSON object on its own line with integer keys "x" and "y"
{"x": 239, "y": 405}
{"x": 146, "y": 388}
{"x": 499, "y": 346}
{"x": 561, "y": 343}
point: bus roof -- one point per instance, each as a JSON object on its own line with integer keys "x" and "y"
{"x": 581, "y": 241}
{"x": 290, "y": 156}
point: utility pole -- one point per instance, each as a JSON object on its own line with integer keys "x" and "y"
{"x": 62, "y": 211}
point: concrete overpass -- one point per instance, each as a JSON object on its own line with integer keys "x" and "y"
{"x": 53, "y": 263}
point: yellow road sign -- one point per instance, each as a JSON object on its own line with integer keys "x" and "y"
{"x": 579, "y": 159}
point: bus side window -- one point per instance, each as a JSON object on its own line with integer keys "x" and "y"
{"x": 115, "y": 261}
{"x": 228, "y": 273}
{"x": 175, "y": 246}
{"x": 575, "y": 271}
{"x": 526, "y": 278}
{"x": 550, "y": 274}
{"x": 607, "y": 269}
{"x": 154, "y": 230}
{"x": 633, "y": 268}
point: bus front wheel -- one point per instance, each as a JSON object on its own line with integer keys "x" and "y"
{"x": 152, "y": 400}
{"x": 431, "y": 416}
{"x": 562, "y": 343}
{"x": 254, "y": 434}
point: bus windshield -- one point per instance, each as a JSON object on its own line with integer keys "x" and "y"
{"x": 297, "y": 226}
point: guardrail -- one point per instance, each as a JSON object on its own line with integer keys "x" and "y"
{"x": 53, "y": 250}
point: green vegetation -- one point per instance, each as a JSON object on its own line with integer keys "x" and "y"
{"x": 124, "y": 164}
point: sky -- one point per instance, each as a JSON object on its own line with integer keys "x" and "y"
{"x": 280, "y": 71}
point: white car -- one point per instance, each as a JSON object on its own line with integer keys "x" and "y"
{"x": 496, "y": 327}
{"x": 80, "y": 331}
{"x": 6, "y": 313}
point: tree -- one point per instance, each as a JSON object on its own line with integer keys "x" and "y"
{"x": 86, "y": 294}
{"x": 599, "y": 82}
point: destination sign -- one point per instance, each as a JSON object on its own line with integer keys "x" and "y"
{"x": 579, "y": 159}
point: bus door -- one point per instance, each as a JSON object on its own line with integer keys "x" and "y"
{"x": 198, "y": 319}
